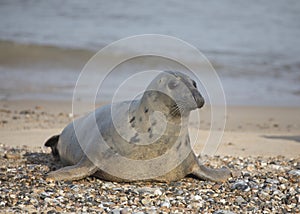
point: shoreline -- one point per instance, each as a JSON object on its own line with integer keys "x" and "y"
{"x": 250, "y": 131}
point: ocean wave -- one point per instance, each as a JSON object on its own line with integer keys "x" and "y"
{"x": 16, "y": 55}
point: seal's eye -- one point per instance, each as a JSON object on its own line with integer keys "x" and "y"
{"x": 172, "y": 84}
{"x": 194, "y": 84}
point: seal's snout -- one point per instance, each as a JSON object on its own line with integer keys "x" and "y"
{"x": 198, "y": 98}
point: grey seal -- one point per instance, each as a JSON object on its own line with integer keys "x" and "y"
{"x": 135, "y": 130}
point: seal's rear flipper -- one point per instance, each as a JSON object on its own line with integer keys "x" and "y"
{"x": 82, "y": 169}
{"x": 52, "y": 143}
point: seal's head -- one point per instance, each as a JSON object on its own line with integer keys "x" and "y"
{"x": 178, "y": 92}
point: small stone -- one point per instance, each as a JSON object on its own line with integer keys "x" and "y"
{"x": 179, "y": 192}
{"x": 197, "y": 197}
{"x": 222, "y": 201}
{"x": 292, "y": 191}
{"x": 210, "y": 200}
{"x": 295, "y": 172}
{"x": 264, "y": 195}
{"x": 245, "y": 174}
{"x": 180, "y": 198}
{"x": 157, "y": 192}
{"x": 223, "y": 212}
{"x": 123, "y": 198}
{"x": 44, "y": 195}
{"x": 144, "y": 190}
{"x": 236, "y": 173}
{"x": 47, "y": 200}
{"x": 61, "y": 192}
{"x": 115, "y": 211}
{"x": 282, "y": 186}
{"x": 124, "y": 211}
{"x": 263, "y": 164}
{"x": 240, "y": 185}
{"x": 276, "y": 167}
{"x": 12, "y": 156}
{"x": 216, "y": 187}
{"x": 165, "y": 204}
{"x": 278, "y": 193}
{"x": 75, "y": 188}
{"x": 272, "y": 181}
{"x": 239, "y": 200}
{"x": 146, "y": 201}
{"x": 12, "y": 196}
{"x": 282, "y": 180}
{"x": 291, "y": 206}
{"x": 250, "y": 167}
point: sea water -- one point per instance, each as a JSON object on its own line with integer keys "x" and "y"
{"x": 253, "y": 45}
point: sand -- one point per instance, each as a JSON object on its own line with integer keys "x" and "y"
{"x": 250, "y": 131}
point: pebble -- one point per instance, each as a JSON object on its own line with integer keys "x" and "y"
{"x": 276, "y": 167}
{"x": 263, "y": 195}
{"x": 240, "y": 185}
{"x": 295, "y": 172}
{"x": 257, "y": 189}
{"x": 146, "y": 201}
{"x": 197, "y": 197}
{"x": 272, "y": 181}
{"x": 239, "y": 200}
{"x": 157, "y": 192}
{"x": 14, "y": 155}
{"x": 223, "y": 212}
{"x": 75, "y": 188}
{"x": 251, "y": 167}
{"x": 165, "y": 204}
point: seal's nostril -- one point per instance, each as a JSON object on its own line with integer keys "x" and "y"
{"x": 198, "y": 98}
{"x": 200, "y": 103}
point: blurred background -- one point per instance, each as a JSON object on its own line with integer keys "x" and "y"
{"x": 253, "y": 45}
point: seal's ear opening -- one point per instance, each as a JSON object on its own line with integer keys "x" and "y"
{"x": 52, "y": 143}
{"x": 173, "y": 84}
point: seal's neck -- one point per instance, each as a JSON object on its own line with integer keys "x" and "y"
{"x": 155, "y": 102}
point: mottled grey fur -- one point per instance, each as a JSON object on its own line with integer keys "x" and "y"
{"x": 174, "y": 95}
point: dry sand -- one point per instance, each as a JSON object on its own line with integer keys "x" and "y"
{"x": 250, "y": 131}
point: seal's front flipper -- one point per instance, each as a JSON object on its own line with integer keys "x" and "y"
{"x": 82, "y": 169}
{"x": 201, "y": 171}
